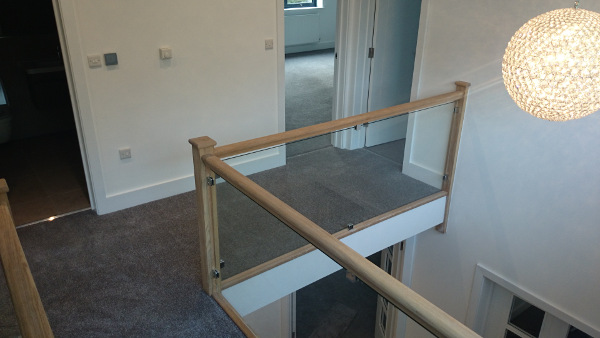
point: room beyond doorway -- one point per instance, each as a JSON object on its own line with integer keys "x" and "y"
{"x": 308, "y": 95}
{"x": 40, "y": 151}
{"x": 45, "y": 176}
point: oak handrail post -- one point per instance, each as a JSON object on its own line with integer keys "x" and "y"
{"x": 206, "y": 196}
{"x": 29, "y": 309}
{"x": 453, "y": 143}
{"x": 408, "y": 301}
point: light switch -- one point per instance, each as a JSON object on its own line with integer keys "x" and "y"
{"x": 110, "y": 59}
{"x": 94, "y": 61}
{"x": 165, "y": 53}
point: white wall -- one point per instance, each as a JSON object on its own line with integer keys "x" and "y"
{"x": 221, "y": 82}
{"x": 326, "y": 12}
{"x": 527, "y": 191}
{"x": 274, "y": 320}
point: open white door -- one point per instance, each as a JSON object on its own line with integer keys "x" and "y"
{"x": 364, "y": 84}
{"x": 394, "y": 42}
{"x": 354, "y": 34}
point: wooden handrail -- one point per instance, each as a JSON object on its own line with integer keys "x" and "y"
{"x": 25, "y": 297}
{"x": 331, "y": 126}
{"x": 266, "y": 266}
{"x": 412, "y": 304}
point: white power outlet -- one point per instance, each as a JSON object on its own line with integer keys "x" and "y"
{"x": 268, "y": 44}
{"x": 165, "y": 53}
{"x": 125, "y": 153}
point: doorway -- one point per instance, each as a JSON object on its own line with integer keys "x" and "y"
{"x": 310, "y": 32}
{"x": 41, "y": 156}
{"x": 376, "y": 47}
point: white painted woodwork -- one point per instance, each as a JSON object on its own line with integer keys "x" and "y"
{"x": 351, "y": 74}
{"x": 274, "y": 284}
{"x": 427, "y": 144}
{"x": 395, "y": 37}
{"x": 221, "y": 82}
{"x": 273, "y": 320}
{"x": 302, "y": 29}
{"x": 326, "y": 11}
{"x": 490, "y": 301}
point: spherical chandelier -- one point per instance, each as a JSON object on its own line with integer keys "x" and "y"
{"x": 551, "y": 67}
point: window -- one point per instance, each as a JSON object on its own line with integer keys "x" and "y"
{"x": 300, "y": 3}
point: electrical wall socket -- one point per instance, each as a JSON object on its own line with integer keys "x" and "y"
{"x": 165, "y": 53}
{"x": 268, "y": 44}
{"x": 125, "y": 153}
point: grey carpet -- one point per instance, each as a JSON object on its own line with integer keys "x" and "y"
{"x": 8, "y": 321}
{"x": 132, "y": 273}
{"x": 135, "y": 272}
{"x": 392, "y": 150}
{"x": 316, "y": 302}
{"x": 308, "y": 95}
{"x": 336, "y": 321}
{"x": 332, "y": 187}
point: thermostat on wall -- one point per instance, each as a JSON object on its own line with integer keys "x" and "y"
{"x": 110, "y": 59}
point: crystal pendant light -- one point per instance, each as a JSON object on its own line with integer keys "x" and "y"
{"x": 551, "y": 67}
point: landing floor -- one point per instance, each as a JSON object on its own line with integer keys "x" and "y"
{"x": 332, "y": 187}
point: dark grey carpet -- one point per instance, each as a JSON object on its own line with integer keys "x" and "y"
{"x": 323, "y": 307}
{"x": 135, "y": 272}
{"x": 8, "y": 321}
{"x": 308, "y": 95}
{"x": 392, "y": 150}
{"x": 332, "y": 187}
{"x": 132, "y": 273}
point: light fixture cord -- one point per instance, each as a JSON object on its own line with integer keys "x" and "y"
{"x": 576, "y": 5}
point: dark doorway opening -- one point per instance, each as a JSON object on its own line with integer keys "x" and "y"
{"x": 41, "y": 157}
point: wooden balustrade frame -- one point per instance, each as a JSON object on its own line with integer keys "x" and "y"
{"x": 255, "y": 271}
{"x": 452, "y": 153}
{"x": 411, "y": 303}
{"x": 206, "y": 196}
{"x": 29, "y": 310}
{"x": 344, "y": 123}
{"x": 207, "y": 162}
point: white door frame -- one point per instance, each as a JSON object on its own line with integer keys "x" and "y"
{"x": 354, "y": 35}
{"x": 75, "y": 104}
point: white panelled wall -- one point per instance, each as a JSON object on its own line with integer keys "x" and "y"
{"x": 221, "y": 82}
{"x": 526, "y": 200}
{"x": 308, "y": 29}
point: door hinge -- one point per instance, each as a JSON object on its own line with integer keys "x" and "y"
{"x": 371, "y": 52}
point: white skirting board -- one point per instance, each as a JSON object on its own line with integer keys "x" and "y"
{"x": 282, "y": 280}
{"x": 246, "y": 164}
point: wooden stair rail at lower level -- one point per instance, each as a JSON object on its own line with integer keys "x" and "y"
{"x": 31, "y": 316}
{"x": 415, "y": 306}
